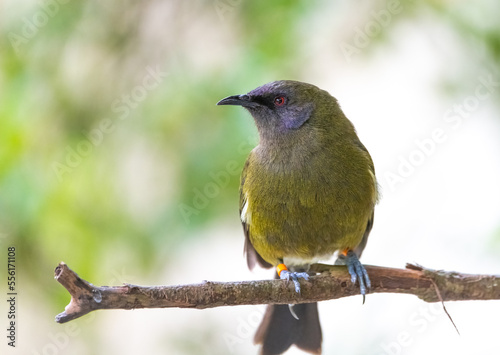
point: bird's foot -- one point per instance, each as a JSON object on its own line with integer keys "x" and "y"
{"x": 357, "y": 271}
{"x": 285, "y": 274}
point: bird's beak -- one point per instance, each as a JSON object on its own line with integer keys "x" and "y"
{"x": 238, "y": 100}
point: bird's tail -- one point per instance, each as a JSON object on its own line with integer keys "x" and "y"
{"x": 279, "y": 329}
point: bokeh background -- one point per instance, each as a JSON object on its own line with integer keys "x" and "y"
{"x": 115, "y": 159}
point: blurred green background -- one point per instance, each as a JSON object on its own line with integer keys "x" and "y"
{"x": 115, "y": 159}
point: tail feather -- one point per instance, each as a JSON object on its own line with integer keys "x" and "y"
{"x": 279, "y": 329}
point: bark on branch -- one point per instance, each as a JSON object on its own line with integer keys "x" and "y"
{"x": 332, "y": 282}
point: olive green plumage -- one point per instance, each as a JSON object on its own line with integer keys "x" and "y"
{"x": 307, "y": 190}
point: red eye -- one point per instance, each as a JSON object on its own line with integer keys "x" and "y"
{"x": 279, "y": 100}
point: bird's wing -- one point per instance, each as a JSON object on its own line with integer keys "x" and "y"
{"x": 252, "y": 256}
{"x": 359, "y": 249}
{"x": 361, "y": 246}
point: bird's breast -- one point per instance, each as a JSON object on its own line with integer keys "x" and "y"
{"x": 305, "y": 208}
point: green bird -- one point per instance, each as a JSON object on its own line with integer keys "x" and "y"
{"x": 307, "y": 191}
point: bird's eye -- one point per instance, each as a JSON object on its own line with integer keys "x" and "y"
{"x": 279, "y": 100}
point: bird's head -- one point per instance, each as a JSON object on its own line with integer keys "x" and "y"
{"x": 283, "y": 107}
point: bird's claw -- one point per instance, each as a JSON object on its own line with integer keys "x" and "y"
{"x": 294, "y": 276}
{"x": 357, "y": 272}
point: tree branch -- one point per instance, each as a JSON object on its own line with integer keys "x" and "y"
{"x": 333, "y": 282}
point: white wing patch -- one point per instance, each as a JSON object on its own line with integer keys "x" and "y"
{"x": 245, "y": 213}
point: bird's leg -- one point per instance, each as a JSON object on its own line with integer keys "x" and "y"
{"x": 356, "y": 270}
{"x": 285, "y": 274}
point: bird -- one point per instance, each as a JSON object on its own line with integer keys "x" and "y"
{"x": 307, "y": 191}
